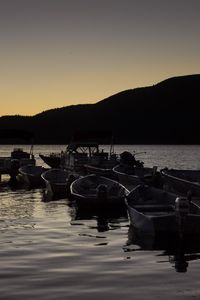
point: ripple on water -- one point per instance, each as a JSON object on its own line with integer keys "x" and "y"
{"x": 50, "y": 251}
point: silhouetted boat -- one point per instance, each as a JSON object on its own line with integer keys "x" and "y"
{"x": 31, "y": 175}
{"x": 81, "y": 156}
{"x": 53, "y": 159}
{"x": 10, "y": 165}
{"x": 131, "y": 176}
{"x": 78, "y": 154}
{"x": 84, "y": 153}
{"x": 18, "y": 155}
{"x": 157, "y": 213}
{"x": 98, "y": 190}
{"x": 57, "y": 181}
{"x": 182, "y": 181}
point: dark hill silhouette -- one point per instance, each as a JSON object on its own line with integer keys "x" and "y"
{"x": 165, "y": 113}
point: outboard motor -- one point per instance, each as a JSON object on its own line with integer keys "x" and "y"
{"x": 102, "y": 191}
{"x": 182, "y": 206}
{"x": 127, "y": 158}
{"x": 138, "y": 163}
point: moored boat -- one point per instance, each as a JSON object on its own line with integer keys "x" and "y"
{"x": 53, "y": 159}
{"x": 131, "y": 176}
{"x": 98, "y": 191}
{"x": 182, "y": 181}
{"x": 57, "y": 181}
{"x": 157, "y": 213}
{"x": 78, "y": 154}
{"x": 18, "y": 157}
{"x": 85, "y": 153}
{"x": 31, "y": 175}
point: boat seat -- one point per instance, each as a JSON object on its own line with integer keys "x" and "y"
{"x": 154, "y": 208}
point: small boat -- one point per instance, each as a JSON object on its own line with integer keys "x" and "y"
{"x": 10, "y": 165}
{"x": 53, "y": 159}
{"x": 83, "y": 153}
{"x": 131, "y": 176}
{"x": 98, "y": 191}
{"x": 57, "y": 181}
{"x": 158, "y": 213}
{"x": 83, "y": 149}
{"x": 182, "y": 181}
{"x": 31, "y": 175}
{"x": 19, "y": 153}
{"x": 79, "y": 155}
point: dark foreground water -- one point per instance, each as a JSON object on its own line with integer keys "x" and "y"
{"x": 49, "y": 250}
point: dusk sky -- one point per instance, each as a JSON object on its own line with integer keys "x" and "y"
{"x": 56, "y": 53}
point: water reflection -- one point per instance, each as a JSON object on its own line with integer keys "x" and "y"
{"x": 183, "y": 252}
{"x": 105, "y": 219}
{"x": 48, "y": 196}
{"x": 179, "y": 252}
{"x": 17, "y": 209}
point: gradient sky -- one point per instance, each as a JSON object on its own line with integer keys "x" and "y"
{"x": 56, "y": 53}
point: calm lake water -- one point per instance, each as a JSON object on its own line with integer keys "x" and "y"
{"x": 49, "y": 250}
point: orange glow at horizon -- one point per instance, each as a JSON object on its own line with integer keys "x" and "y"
{"x": 61, "y": 53}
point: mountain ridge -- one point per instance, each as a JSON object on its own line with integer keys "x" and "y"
{"x": 164, "y": 113}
